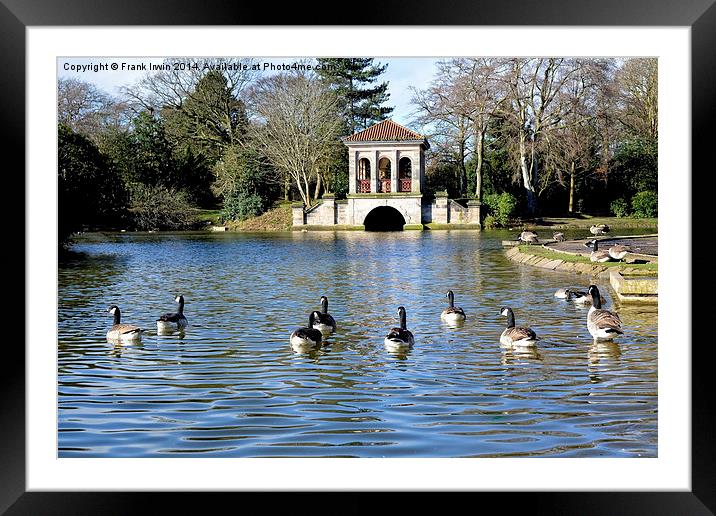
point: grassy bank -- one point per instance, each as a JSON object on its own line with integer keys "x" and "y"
{"x": 586, "y": 221}
{"x": 278, "y": 218}
{"x": 536, "y": 250}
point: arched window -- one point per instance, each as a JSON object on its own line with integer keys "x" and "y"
{"x": 404, "y": 168}
{"x": 384, "y": 168}
{"x": 364, "y": 168}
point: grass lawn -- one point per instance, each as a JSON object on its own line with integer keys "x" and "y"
{"x": 585, "y": 221}
{"x": 537, "y": 250}
{"x": 212, "y": 216}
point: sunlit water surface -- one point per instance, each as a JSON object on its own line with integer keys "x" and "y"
{"x": 232, "y": 385}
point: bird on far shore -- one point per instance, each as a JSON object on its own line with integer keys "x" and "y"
{"x": 558, "y": 236}
{"x": 597, "y": 255}
{"x": 618, "y": 251}
{"x": 599, "y": 229}
{"x": 528, "y": 237}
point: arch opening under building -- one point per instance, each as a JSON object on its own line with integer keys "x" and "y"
{"x": 384, "y": 218}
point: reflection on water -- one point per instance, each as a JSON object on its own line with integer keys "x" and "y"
{"x": 231, "y": 384}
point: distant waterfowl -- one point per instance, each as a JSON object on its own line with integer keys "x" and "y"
{"x": 601, "y": 323}
{"x": 528, "y": 237}
{"x": 324, "y": 322}
{"x": 452, "y": 314}
{"x": 399, "y": 339}
{"x": 516, "y": 335}
{"x": 562, "y": 293}
{"x": 597, "y": 255}
{"x": 618, "y": 252}
{"x": 173, "y": 321}
{"x": 308, "y": 336}
{"x": 122, "y": 332}
{"x": 581, "y": 297}
{"x": 599, "y": 229}
{"x": 559, "y": 237}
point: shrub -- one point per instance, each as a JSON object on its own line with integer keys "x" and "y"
{"x": 157, "y": 207}
{"x": 501, "y": 206}
{"x": 489, "y": 222}
{"x": 620, "y": 207}
{"x": 645, "y": 204}
{"x": 240, "y": 206}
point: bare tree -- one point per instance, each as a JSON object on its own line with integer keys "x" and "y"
{"x": 447, "y": 116}
{"x": 86, "y": 109}
{"x": 170, "y": 86}
{"x": 639, "y": 100}
{"x": 532, "y": 87}
{"x": 297, "y": 126}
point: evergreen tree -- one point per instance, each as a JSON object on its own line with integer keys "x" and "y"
{"x": 354, "y": 81}
{"x": 90, "y": 192}
{"x": 210, "y": 118}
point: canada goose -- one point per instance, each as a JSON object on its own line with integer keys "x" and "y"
{"x": 122, "y": 332}
{"x": 452, "y": 314}
{"x": 599, "y": 229}
{"x": 581, "y": 297}
{"x": 597, "y": 255}
{"x": 324, "y": 322}
{"x": 558, "y": 236}
{"x": 618, "y": 252}
{"x": 173, "y": 321}
{"x": 602, "y": 324}
{"x": 308, "y": 336}
{"x": 399, "y": 338}
{"x": 516, "y": 335}
{"x": 562, "y": 293}
{"x": 528, "y": 237}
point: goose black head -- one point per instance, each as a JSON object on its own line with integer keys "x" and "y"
{"x": 506, "y": 311}
{"x": 315, "y": 316}
{"x": 179, "y": 299}
{"x": 324, "y": 304}
{"x": 114, "y": 310}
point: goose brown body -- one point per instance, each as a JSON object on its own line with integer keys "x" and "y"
{"x": 122, "y": 332}
{"x": 602, "y": 324}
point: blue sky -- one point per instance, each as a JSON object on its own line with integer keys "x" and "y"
{"x": 401, "y": 74}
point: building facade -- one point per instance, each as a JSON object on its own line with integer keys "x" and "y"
{"x": 386, "y": 173}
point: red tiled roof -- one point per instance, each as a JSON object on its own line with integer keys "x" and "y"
{"x": 387, "y": 130}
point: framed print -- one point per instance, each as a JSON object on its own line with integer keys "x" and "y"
{"x": 217, "y": 394}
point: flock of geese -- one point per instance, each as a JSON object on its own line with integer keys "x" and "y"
{"x": 615, "y": 252}
{"x": 601, "y": 323}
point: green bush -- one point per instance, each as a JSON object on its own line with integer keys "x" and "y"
{"x": 158, "y": 207}
{"x": 501, "y": 207}
{"x": 645, "y": 204}
{"x": 240, "y": 206}
{"x": 489, "y": 222}
{"x": 620, "y": 207}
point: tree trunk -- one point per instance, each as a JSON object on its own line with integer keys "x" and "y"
{"x": 286, "y": 187}
{"x": 480, "y": 147}
{"x": 318, "y": 186}
{"x": 571, "y": 189}
{"x": 526, "y": 179}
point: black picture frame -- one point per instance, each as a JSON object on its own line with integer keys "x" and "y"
{"x": 699, "y": 15}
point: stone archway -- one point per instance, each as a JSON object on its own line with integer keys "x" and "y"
{"x": 384, "y": 218}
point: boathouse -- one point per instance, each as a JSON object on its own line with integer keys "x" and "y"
{"x": 386, "y": 174}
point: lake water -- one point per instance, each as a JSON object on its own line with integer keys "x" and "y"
{"x": 232, "y": 386}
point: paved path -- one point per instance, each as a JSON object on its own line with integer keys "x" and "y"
{"x": 647, "y": 245}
